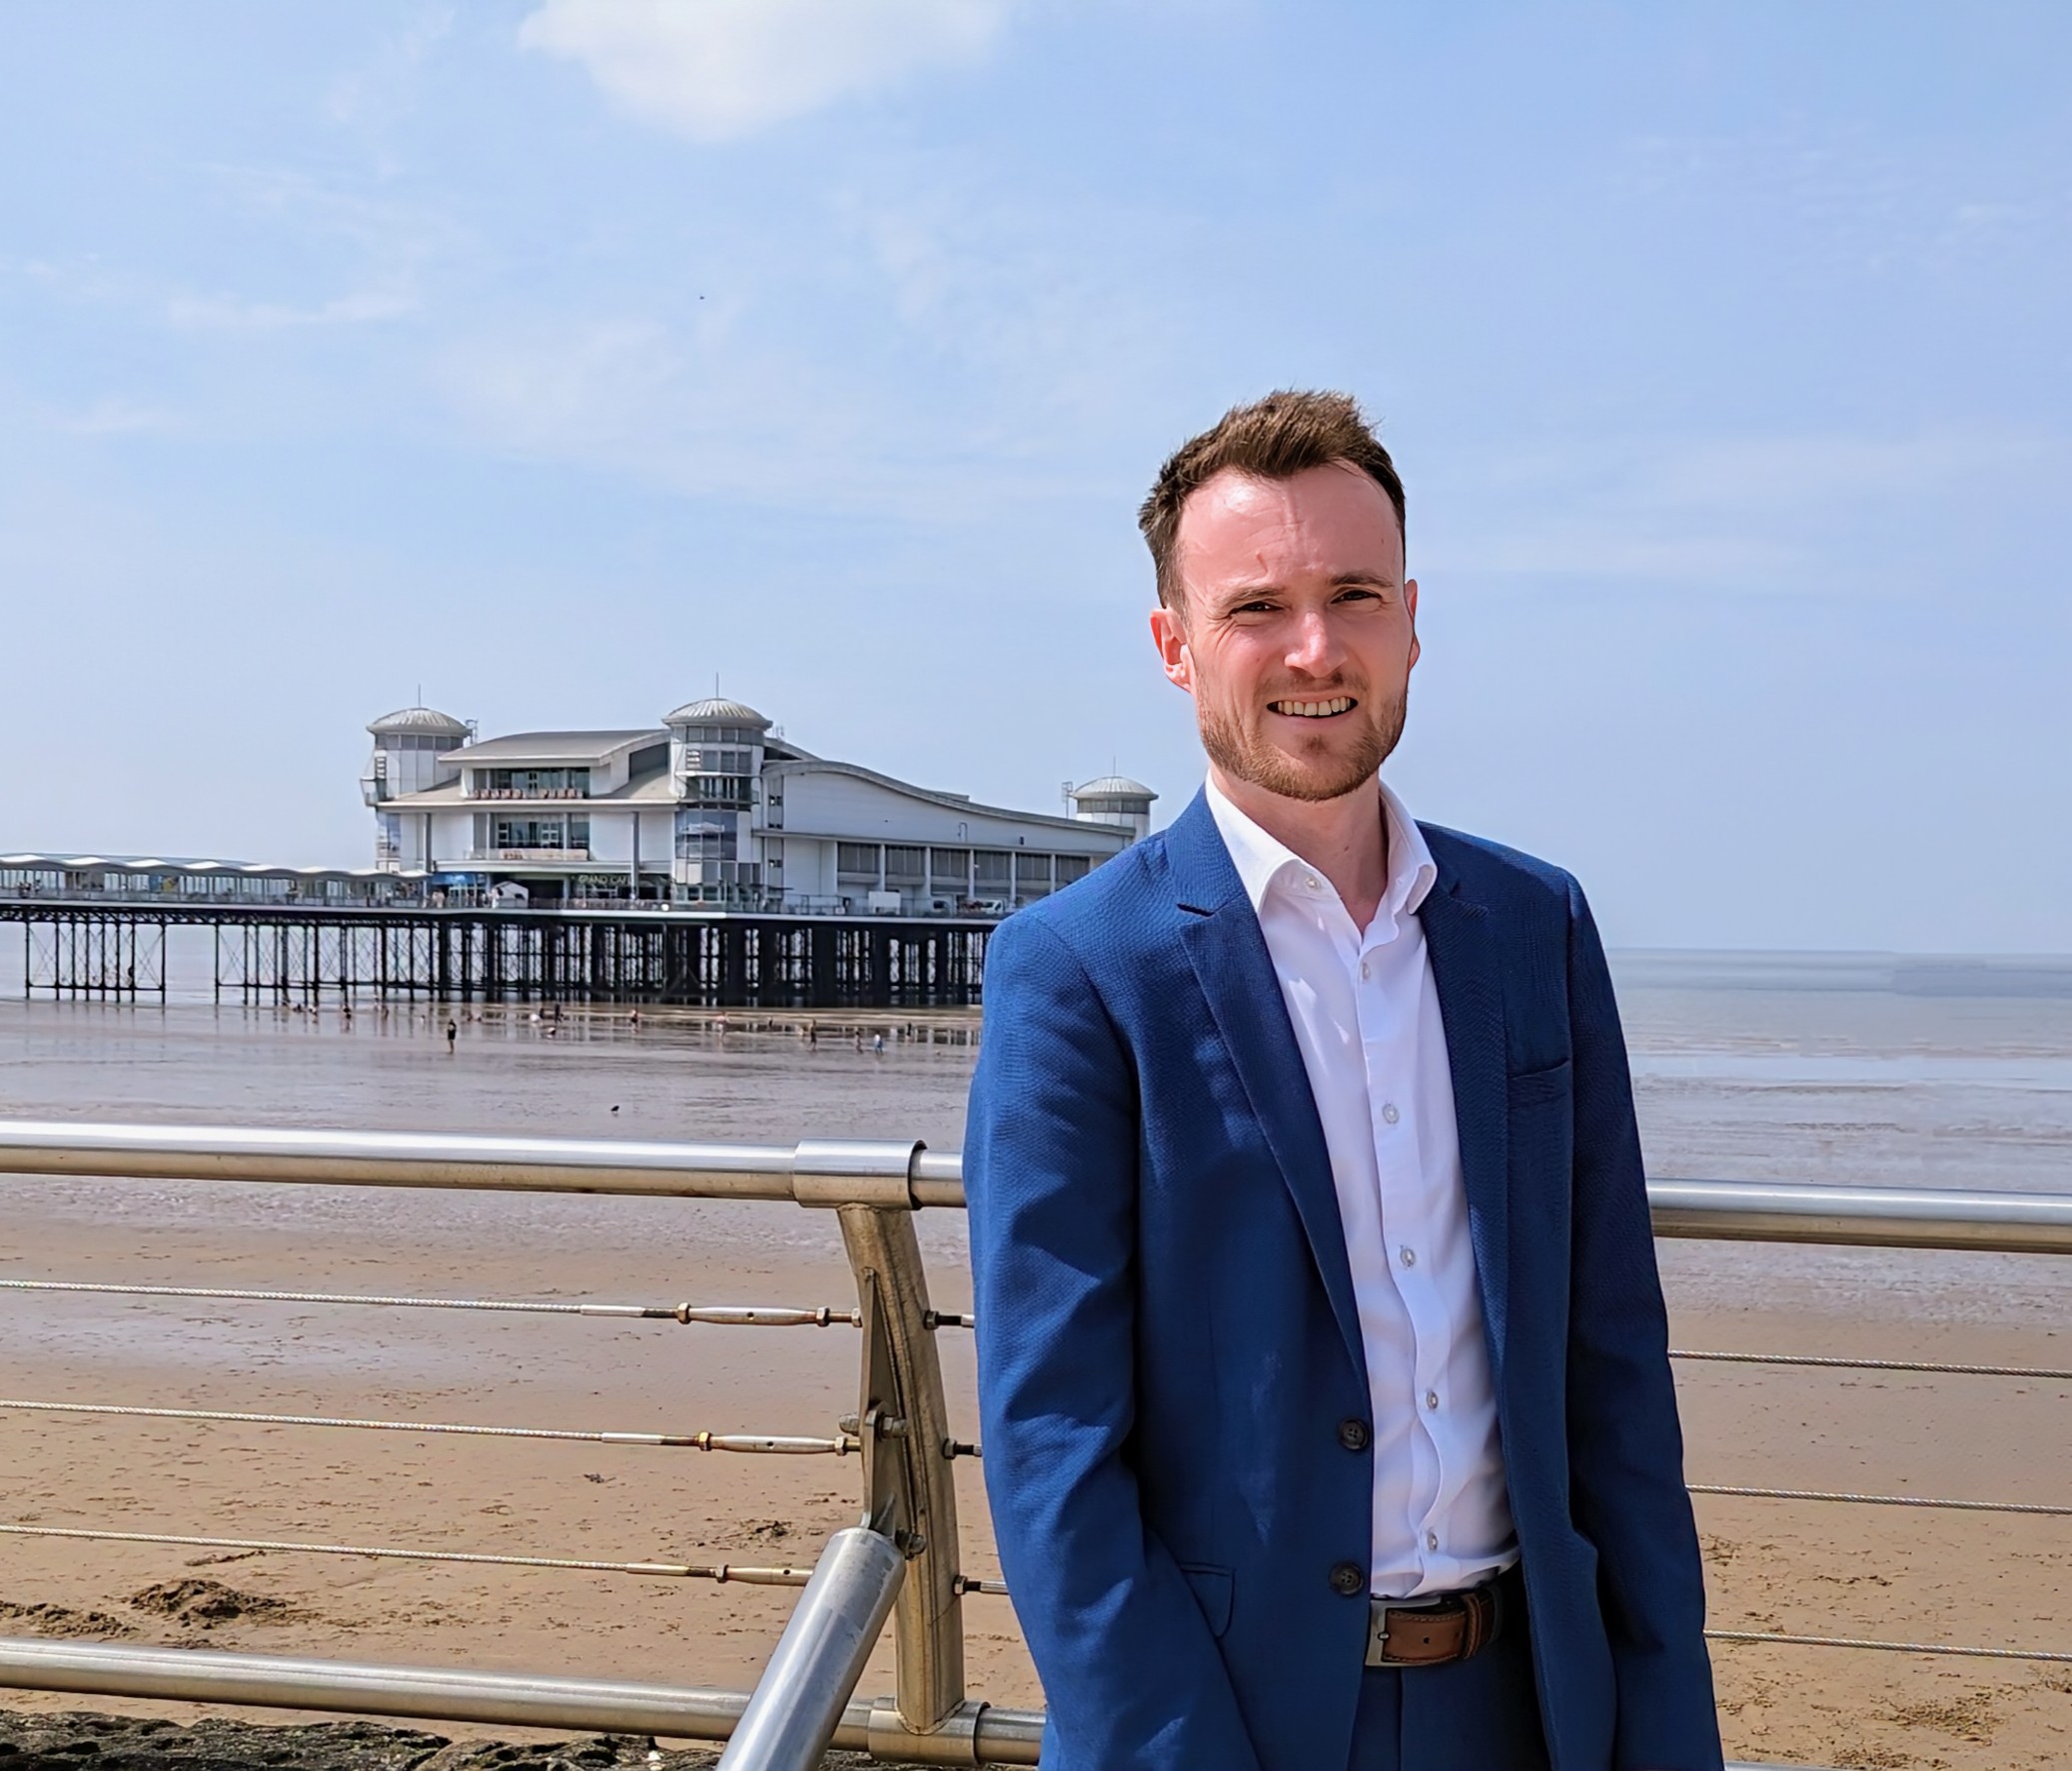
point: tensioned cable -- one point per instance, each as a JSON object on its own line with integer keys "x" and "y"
{"x": 1749, "y": 1635}
{"x": 2028, "y": 1506}
{"x": 727, "y": 1314}
{"x": 720, "y": 1571}
{"x": 1840, "y": 1364}
{"x": 966, "y": 1584}
{"x": 769, "y": 1443}
{"x": 742, "y": 1316}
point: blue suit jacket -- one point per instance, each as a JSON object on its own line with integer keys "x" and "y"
{"x": 1167, "y": 1339}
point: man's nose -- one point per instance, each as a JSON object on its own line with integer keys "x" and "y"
{"x": 1312, "y": 647}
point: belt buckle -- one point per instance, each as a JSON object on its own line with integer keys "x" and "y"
{"x": 1378, "y": 1622}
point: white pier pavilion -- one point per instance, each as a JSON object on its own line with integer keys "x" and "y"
{"x": 714, "y": 806}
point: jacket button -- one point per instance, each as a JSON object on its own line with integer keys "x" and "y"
{"x": 1348, "y": 1579}
{"x": 1352, "y": 1434}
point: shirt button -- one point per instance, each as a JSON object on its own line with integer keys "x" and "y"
{"x": 1310, "y": 880}
{"x": 1390, "y": 1113}
{"x": 1432, "y": 1398}
{"x": 1431, "y": 1539}
{"x": 1348, "y": 1579}
{"x": 1352, "y": 1434}
{"x": 1365, "y": 970}
{"x": 1408, "y": 1256}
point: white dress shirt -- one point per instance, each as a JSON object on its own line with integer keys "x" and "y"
{"x": 1366, "y": 1016}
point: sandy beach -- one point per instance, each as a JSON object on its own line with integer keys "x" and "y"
{"x": 1883, "y": 1572}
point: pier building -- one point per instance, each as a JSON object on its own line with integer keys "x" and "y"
{"x": 706, "y": 860}
{"x": 714, "y": 806}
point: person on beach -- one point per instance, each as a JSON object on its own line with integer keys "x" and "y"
{"x": 1322, "y": 1361}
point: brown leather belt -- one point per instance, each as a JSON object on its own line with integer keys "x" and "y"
{"x": 1444, "y": 1627}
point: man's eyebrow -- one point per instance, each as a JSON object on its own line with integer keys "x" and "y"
{"x": 1232, "y": 596}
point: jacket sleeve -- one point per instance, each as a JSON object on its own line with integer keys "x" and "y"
{"x": 1131, "y": 1673}
{"x": 1626, "y": 1449}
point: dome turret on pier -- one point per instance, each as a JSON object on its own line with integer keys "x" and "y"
{"x": 1114, "y": 799}
{"x": 717, "y": 711}
{"x": 411, "y": 747}
{"x": 419, "y": 721}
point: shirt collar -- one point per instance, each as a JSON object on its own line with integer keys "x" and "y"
{"x": 1262, "y": 859}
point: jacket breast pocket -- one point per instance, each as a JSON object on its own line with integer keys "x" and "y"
{"x": 1524, "y": 1089}
{"x": 1213, "y": 1587}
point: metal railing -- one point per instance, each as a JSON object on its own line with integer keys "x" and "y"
{"x": 901, "y": 1563}
{"x": 388, "y": 891}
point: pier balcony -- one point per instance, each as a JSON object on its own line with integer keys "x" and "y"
{"x": 727, "y": 793}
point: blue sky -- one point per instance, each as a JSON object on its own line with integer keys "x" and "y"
{"x": 559, "y": 356}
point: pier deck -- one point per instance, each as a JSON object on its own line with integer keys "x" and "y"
{"x": 673, "y": 955}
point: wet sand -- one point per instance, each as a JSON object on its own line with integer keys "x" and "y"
{"x": 1883, "y": 1572}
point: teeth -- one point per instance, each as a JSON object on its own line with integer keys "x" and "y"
{"x": 1315, "y": 709}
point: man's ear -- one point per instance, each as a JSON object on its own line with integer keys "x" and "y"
{"x": 1169, "y": 634}
{"x": 1409, "y": 601}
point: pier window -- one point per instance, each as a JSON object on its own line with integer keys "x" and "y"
{"x": 725, "y": 792}
{"x": 707, "y": 843}
{"x": 992, "y": 869}
{"x": 1071, "y": 867}
{"x": 542, "y": 783}
{"x": 560, "y": 834}
{"x": 857, "y": 867}
{"x": 1031, "y": 876}
{"x": 706, "y": 759}
{"x": 949, "y": 872}
{"x": 905, "y": 866}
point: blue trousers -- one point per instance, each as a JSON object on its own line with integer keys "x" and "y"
{"x": 1479, "y": 1714}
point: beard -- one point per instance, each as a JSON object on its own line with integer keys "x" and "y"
{"x": 1243, "y": 751}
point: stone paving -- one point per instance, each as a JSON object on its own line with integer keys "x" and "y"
{"x": 73, "y": 1741}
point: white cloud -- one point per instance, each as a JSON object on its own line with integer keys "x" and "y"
{"x": 712, "y": 411}
{"x": 116, "y": 416}
{"x": 226, "y": 313}
{"x": 375, "y": 97}
{"x": 1779, "y": 513}
{"x": 1847, "y": 198}
{"x": 717, "y": 69}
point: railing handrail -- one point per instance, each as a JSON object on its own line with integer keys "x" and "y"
{"x": 1862, "y": 1216}
{"x": 894, "y": 1172}
{"x": 820, "y": 1171}
{"x": 977, "y": 1734}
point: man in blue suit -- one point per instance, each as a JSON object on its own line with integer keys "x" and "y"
{"x": 1323, "y": 1362}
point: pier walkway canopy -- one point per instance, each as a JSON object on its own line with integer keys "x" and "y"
{"x": 158, "y": 878}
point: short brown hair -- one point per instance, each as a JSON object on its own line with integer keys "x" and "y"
{"x": 1288, "y": 433}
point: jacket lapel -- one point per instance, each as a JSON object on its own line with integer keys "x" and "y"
{"x": 1471, "y": 1005}
{"x": 1220, "y": 931}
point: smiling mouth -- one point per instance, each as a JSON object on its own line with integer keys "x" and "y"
{"x": 1314, "y": 709}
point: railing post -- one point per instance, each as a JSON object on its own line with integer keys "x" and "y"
{"x": 801, "y": 1698}
{"x": 908, "y": 1469}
